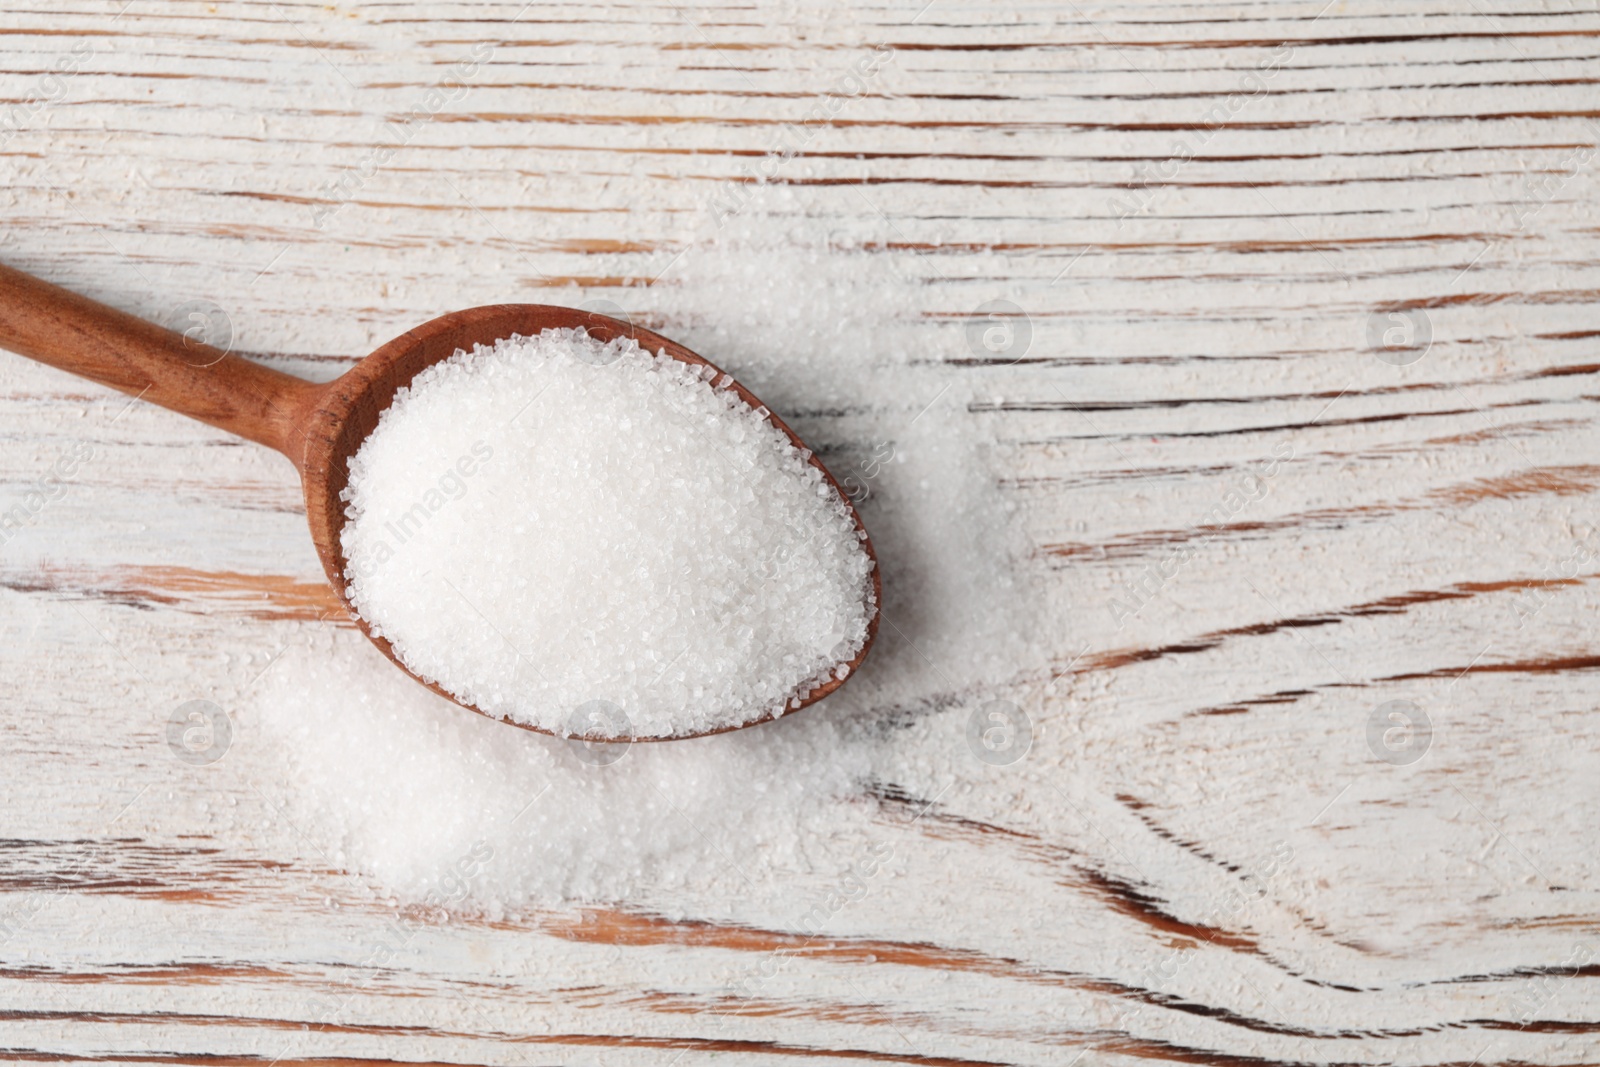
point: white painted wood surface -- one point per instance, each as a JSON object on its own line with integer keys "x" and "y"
{"x": 1202, "y": 209}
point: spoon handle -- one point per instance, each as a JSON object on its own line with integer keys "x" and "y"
{"x": 73, "y": 333}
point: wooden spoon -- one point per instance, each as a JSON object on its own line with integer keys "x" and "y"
{"x": 318, "y": 426}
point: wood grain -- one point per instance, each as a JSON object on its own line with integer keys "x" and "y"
{"x": 1210, "y": 215}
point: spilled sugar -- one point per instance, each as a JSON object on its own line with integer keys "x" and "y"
{"x": 394, "y": 782}
{"x": 398, "y": 782}
{"x": 590, "y": 539}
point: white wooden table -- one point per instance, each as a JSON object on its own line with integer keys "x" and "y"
{"x": 1304, "y": 434}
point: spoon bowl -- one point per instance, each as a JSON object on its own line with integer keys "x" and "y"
{"x": 320, "y": 426}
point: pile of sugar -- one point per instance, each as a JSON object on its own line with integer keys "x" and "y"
{"x": 591, "y": 539}
{"x": 437, "y": 804}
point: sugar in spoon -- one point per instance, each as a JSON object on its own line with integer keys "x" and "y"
{"x": 318, "y": 426}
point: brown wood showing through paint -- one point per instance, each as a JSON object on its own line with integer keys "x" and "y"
{"x": 1199, "y": 205}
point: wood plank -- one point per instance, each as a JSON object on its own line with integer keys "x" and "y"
{"x": 1201, "y": 860}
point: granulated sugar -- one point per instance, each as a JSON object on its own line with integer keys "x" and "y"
{"x": 554, "y": 528}
{"x": 393, "y": 782}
